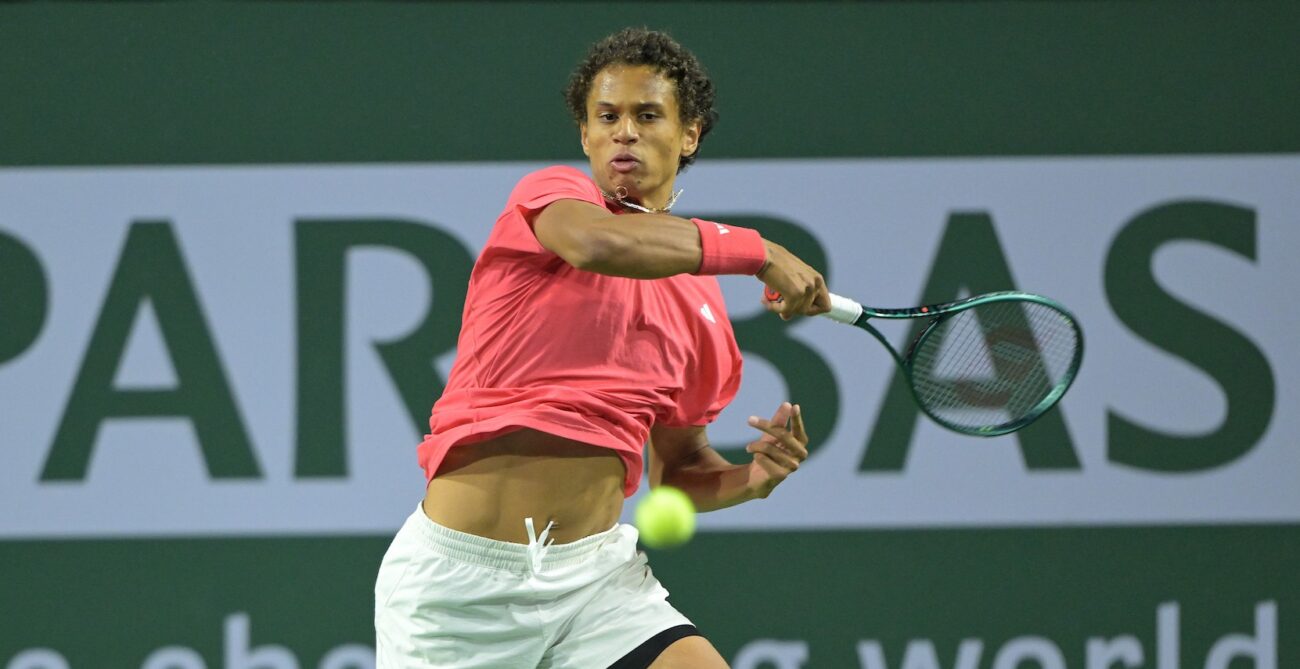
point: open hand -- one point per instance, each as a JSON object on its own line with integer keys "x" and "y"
{"x": 779, "y": 451}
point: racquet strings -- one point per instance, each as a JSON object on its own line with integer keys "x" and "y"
{"x": 993, "y": 364}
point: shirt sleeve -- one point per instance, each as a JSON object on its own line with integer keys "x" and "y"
{"x": 540, "y": 188}
{"x": 514, "y": 229}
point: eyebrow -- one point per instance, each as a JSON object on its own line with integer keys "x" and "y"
{"x": 639, "y": 105}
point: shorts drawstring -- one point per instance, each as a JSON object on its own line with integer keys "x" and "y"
{"x": 537, "y": 545}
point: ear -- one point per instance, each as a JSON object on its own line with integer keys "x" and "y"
{"x": 582, "y": 135}
{"x": 691, "y": 137}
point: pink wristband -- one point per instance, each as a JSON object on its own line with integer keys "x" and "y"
{"x": 727, "y": 249}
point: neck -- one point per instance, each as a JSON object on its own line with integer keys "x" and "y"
{"x": 651, "y": 205}
{"x": 656, "y": 200}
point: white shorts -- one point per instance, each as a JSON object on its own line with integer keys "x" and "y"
{"x": 450, "y": 599}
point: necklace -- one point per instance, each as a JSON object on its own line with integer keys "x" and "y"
{"x": 620, "y": 195}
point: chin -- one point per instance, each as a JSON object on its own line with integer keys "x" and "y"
{"x": 626, "y": 181}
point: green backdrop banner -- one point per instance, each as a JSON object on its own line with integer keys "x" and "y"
{"x": 1173, "y": 594}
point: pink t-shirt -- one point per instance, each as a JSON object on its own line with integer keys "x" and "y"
{"x": 594, "y": 358}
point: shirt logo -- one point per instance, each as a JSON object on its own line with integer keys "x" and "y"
{"x": 708, "y": 315}
{"x": 722, "y": 230}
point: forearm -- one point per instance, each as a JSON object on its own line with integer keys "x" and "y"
{"x": 648, "y": 246}
{"x": 644, "y": 246}
{"x": 710, "y": 481}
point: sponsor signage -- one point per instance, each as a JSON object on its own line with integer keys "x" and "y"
{"x": 211, "y": 351}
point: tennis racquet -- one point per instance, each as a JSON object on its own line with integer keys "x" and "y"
{"x": 984, "y": 365}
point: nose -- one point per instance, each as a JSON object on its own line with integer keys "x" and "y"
{"x": 625, "y": 131}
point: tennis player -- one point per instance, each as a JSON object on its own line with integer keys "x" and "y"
{"x": 592, "y": 326}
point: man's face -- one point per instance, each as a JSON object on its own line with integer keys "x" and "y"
{"x": 633, "y": 133}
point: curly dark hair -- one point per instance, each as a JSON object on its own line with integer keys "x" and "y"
{"x": 642, "y": 46}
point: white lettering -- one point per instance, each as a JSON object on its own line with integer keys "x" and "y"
{"x": 1167, "y": 637}
{"x": 174, "y": 657}
{"x": 37, "y": 658}
{"x": 238, "y": 655}
{"x": 1035, "y": 648}
{"x": 781, "y": 654}
{"x": 920, "y": 654}
{"x": 1103, "y": 653}
{"x": 1262, "y": 649}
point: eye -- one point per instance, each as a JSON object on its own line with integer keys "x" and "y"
{"x": 607, "y": 117}
{"x": 649, "y": 116}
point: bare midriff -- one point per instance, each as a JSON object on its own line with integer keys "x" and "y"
{"x": 488, "y": 488}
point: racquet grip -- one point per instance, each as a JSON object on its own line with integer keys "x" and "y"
{"x": 843, "y": 309}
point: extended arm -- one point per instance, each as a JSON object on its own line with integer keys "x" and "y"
{"x": 652, "y": 246}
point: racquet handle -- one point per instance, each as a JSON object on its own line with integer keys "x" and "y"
{"x": 843, "y": 309}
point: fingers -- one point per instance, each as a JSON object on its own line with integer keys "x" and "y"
{"x": 817, "y": 298}
{"x": 789, "y": 419}
{"x": 781, "y": 437}
{"x": 775, "y": 453}
{"x": 777, "y": 303}
{"x": 795, "y": 289}
{"x": 821, "y": 302}
{"x": 781, "y": 449}
{"x": 802, "y": 305}
{"x": 774, "y": 471}
{"x": 783, "y": 414}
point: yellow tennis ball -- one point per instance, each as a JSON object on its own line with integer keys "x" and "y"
{"x": 665, "y": 518}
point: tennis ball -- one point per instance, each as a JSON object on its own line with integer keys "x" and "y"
{"x": 665, "y": 518}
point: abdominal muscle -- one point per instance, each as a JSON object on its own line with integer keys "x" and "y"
{"x": 488, "y": 488}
